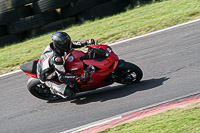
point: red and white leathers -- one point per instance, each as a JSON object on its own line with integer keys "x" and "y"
{"x": 51, "y": 71}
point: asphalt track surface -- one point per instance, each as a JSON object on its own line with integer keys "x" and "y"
{"x": 170, "y": 61}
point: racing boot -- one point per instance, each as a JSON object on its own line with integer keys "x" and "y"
{"x": 69, "y": 93}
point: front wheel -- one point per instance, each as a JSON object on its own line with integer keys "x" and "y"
{"x": 128, "y": 74}
{"x": 39, "y": 90}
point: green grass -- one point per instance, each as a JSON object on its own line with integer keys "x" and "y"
{"x": 131, "y": 23}
{"x": 179, "y": 120}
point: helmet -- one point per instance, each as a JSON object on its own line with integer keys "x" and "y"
{"x": 61, "y": 42}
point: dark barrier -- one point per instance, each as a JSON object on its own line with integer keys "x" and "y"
{"x": 21, "y": 19}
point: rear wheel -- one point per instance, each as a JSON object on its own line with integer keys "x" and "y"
{"x": 128, "y": 74}
{"x": 39, "y": 90}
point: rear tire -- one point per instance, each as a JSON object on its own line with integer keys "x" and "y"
{"x": 35, "y": 88}
{"x": 129, "y": 74}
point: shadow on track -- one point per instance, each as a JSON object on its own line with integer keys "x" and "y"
{"x": 113, "y": 92}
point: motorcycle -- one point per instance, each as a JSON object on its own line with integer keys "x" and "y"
{"x": 100, "y": 61}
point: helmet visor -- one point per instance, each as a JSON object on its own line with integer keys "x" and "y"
{"x": 65, "y": 45}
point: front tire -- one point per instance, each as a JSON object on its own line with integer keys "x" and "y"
{"x": 39, "y": 90}
{"x": 128, "y": 74}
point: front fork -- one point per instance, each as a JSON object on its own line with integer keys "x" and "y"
{"x": 118, "y": 75}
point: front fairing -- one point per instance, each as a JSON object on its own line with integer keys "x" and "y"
{"x": 103, "y": 68}
{"x": 104, "y": 65}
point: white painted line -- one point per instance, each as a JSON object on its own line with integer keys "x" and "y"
{"x": 137, "y": 37}
{"x": 10, "y": 73}
{"x": 155, "y": 32}
{"x": 81, "y": 128}
{"x": 84, "y": 127}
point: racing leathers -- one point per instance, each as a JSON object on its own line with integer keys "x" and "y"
{"x": 51, "y": 71}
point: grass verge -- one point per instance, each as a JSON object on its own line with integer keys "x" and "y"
{"x": 180, "y": 120}
{"x": 128, "y": 24}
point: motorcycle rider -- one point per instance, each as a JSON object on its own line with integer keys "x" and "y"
{"x": 50, "y": 67}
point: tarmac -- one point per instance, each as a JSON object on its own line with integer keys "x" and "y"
{"x": 141, "y": 114}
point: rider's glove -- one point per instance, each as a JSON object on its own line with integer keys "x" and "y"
{"x": 91, "y": 42}
{"x": 83, "y": 77}
{"x": 88, "y": 42}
